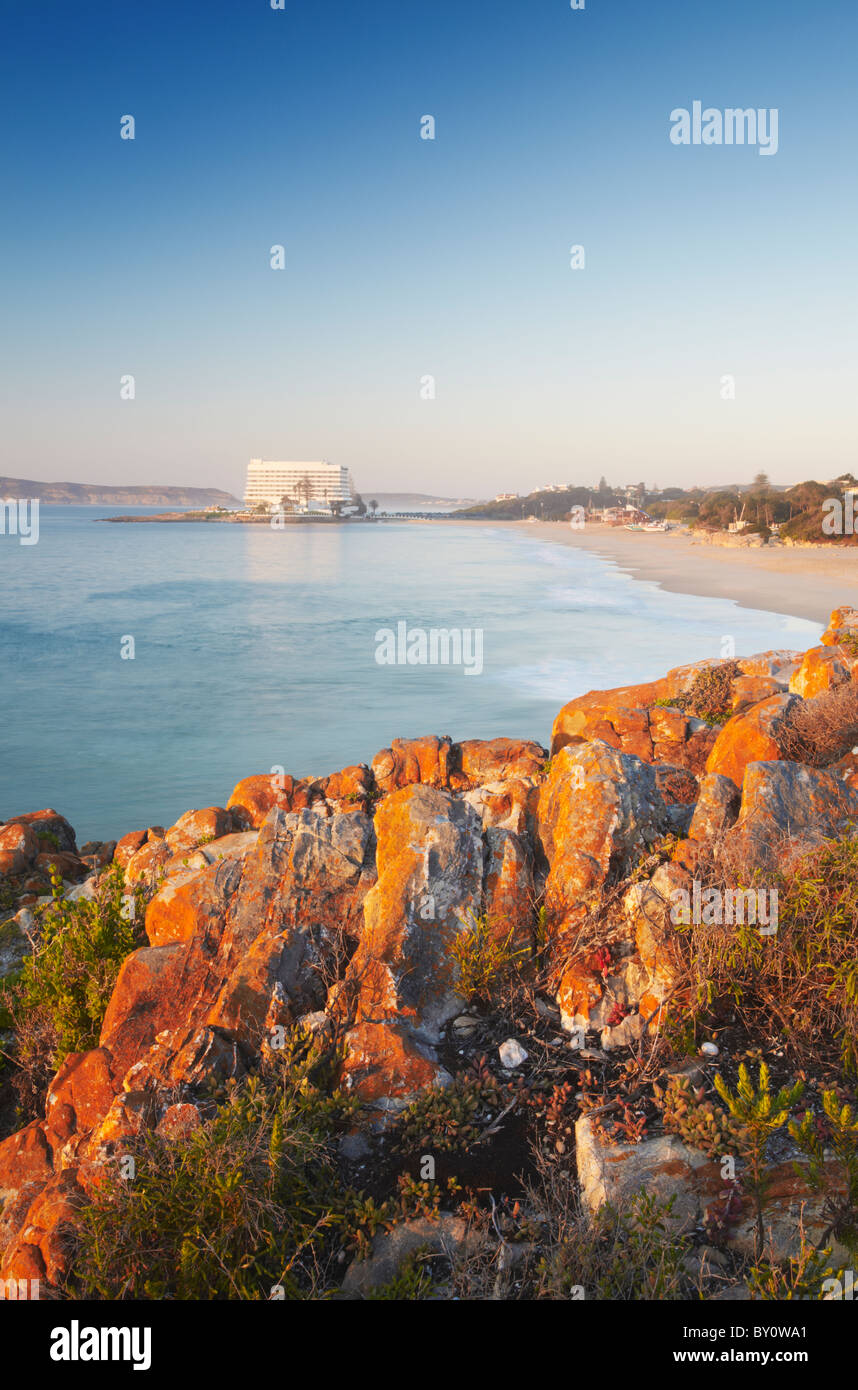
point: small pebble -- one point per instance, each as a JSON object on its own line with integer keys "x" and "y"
{"x": 511, "y": 1053}
{"x": 709, "y": 1049}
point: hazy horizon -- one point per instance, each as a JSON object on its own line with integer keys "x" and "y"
{"x": 407, "y": 258}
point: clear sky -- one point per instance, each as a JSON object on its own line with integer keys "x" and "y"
{"x": 408, "y": 257}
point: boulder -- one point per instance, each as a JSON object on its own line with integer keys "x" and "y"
{"x": 127, "y": 847}
{"x": 717, "y": 808}
{"x": 402, "y": 977}
{"x": 843, "y": 624}
{"x": 80, "y": 1094}
{"x": 821, "y": 669}
{"x": 51, "y": 828}
{"x": 408, "y": 761}
{"x": 750, "y": 737}
{"x": 194, "y": 827}
{"x": 19, "y": 848}
{"x": 509, "y": 805}
{"x": 599, "y": 811}
{"x": 786, "y": 809}
{"x": 446, "y": 1235}
{"x": 495, "y": 760}
{"x": 387, "y": 1065}
{"x": 254, "y": 797}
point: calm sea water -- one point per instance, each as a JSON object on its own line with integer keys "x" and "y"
{"x": 255, "y": 648}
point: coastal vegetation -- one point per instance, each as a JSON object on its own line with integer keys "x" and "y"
{"x": 432, "y": 1028}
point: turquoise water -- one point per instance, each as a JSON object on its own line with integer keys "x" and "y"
{"x": 255, "y": 648}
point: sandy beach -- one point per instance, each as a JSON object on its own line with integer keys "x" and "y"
{"x": 804, "y": 582}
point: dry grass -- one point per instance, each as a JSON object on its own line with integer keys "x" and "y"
{"x": 820, "y": 731}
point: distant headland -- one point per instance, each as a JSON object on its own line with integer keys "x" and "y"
{"x": 101, "y": 494}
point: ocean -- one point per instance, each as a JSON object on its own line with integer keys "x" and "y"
{"x": 256, "y": 648}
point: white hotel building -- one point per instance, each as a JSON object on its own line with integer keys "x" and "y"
{"x": 269, "y": 482}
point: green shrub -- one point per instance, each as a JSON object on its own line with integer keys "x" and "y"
{"x": 57, "y": 1001}
{"x": 484, "y": 957}
{"x": 451, "y": 1118}
{"x": 802, "y": 981}
{"x": 245, "y": 1205}
{"x": 630, "y": 1255}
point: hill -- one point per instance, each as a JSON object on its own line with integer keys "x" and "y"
{"x": 103, "y": 495}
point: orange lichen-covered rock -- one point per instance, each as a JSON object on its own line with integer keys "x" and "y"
{"x": 386, "y": 1065}
{"x": 581, "y": 988}
{"x": 821, "y": 669}
{"x": 508, "y": 893}
{"x": 128, "y": 846}
{"x": 843, "y": 623}
{"x": 750, "y": 737}
{"x": 428, "y": 760}
{"x": 43, "y": 1244}
{"x": 80, "y": 1094}
{"x": 154, "y": 988}
{"x": 498, "y": 760}
{"x": 190, "y": 903}
{"x": 254, "y": 797}
{"x": 52, "y": 830}
{"x": 19, "y": 847}
{"x": 750, "y": 690}
{"x": 195, "y": 826}
{"x": 350, "y": 787}
{"x": 599, "y": 809}
{"x": 509, "y": 805}
{"x": 654, "y": 733}
{"x": 25, "y": 1158}
{"x": 430, "y": 873}
{"x": 779, "y": 665}
{"x": 255, "y": 931}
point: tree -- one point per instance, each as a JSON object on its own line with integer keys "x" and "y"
{"x": 761, "y": 480}
{"x": 373, "y": 506}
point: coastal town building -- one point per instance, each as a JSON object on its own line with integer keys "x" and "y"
{"x": 301, "y": 484}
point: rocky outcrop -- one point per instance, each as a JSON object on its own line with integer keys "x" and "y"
{"x": 344, "y": 900}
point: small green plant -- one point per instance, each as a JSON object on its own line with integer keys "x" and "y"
{"x": 484, "y": 955}
{"x": 800, "y": 1277}
{"x": 837, "y": 1133}
{"x": 759, "y": 1114}
{"x": 699, "y": 1122}
{"x": 710, "y": 695}
{"x": 450, "y": 1118}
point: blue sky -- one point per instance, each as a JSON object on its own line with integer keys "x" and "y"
{"x": 407, "y": 258}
